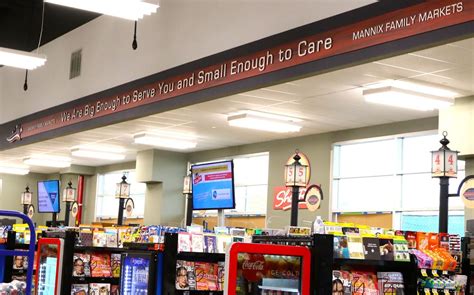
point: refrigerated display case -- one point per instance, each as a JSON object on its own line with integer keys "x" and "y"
{"x": 138, "y": 273}
{"x": 267, "y": 269}
{"x": 49, "y": 260}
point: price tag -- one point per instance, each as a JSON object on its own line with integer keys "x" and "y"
{"x": 445, "y": 272}
{"x": 446, "y": 292}
{"x": 435, "y": 273}
{"x": 423, "y": 273}
{"x": 427, "y": 291}
{"x": 434, "y": 291}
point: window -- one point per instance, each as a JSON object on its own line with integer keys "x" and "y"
{"x": 106, "y": 205}
{"x": 251, "y": 184}
{"x": 394, "y": 175}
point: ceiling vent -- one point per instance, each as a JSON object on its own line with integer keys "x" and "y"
{"x": 75, "y": 65}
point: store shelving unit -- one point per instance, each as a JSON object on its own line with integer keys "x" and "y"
{"x": 11, "y": 244}
{"x": 171, "y": 255}
{"x": 30, "y": 252}
{"x": 132, "y": 248}
{"x": 323, "y": 262}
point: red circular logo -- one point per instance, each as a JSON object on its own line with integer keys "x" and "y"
{"x": 253, "y": 267}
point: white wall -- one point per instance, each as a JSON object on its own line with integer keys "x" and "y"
{"x": 181, "y": 31}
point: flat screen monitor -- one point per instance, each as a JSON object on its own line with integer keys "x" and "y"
{"x": 48, "y": 196}
{"x": 213, "y": 186}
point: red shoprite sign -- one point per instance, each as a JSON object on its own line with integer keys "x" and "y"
{"x": 417, "y": 19}
{"x": 282, "y": 198}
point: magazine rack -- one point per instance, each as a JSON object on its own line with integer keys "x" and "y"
{"x": 171, "y": 255}
{"x": 30, "y": 253}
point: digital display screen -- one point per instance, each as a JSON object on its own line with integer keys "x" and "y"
{"x": 135, "y": 275}
{"x": 213, "y": 186}
{"x": 268, "y": 274}
{"x": 48, "y": 196}
{"x": 47, "y": 269}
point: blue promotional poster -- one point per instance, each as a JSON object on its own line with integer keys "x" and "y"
{"x": 135, "y": 275}
{"x": 48, "y": 196}
{"x": 213, "y": 186}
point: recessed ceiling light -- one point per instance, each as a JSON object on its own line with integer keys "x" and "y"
{"x": 163, "y": 141}
{"x": 14, "y": 170}
{"x": 48, "y": 161}
{"x": 98, "y": 153}
{"x": 21, "y": 59}
{"x": 128, "y": 9}
{"x": 264, "y": 121}
{"x": 405, "y": 95}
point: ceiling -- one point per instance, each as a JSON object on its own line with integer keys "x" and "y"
{"x": 20, "y": 22}
{"x": 325, "y": 103}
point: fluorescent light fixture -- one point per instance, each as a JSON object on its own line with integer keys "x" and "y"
{"x": 21, "y": 59}
{"x": 14, "y": 170}
{"x": 48, "y": 161}
{"x": 128, "y": 9}
{"x": 404, "y": 98}
{"x": 90, "y": 153}
{"x": 264, "y": 122}
{"x": 162, "y": 141}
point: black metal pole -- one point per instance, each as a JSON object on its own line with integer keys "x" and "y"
{"x": 294, "y": 206}
{"x": 443, "y": 204}
{"x": 25, "y": 209}
{"x": 54, "y": 221}
{"x": 120, "y": 212}
{"x": 66, "y": 216}
{"x": 189, "y": 210}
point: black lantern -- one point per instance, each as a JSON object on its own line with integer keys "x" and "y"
{"x": 444, "y": 161}
{"x": 295, "y": 177}
{"x": 122, "y": 192}
{"x": 26, "y": 200}
{"x": 444, "y": 165}
{"x": 69, "y": 197}
{"x": 188, "y": 192}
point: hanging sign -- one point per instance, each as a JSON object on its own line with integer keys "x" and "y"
{"x": 31, "y": 211}
{"x": 129, "y": 205}
{"x": 416, "y": 19}
{"x": 467, "y": 193}
{"x": 313, "y": 197}
{"x": 74, "y": 209}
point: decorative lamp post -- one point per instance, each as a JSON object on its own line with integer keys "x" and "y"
{"x": 26, "y": 198}
{"x": 295, "y": 177}
{"x": 188, "y": 192}
{"x": 444, "y": 165}
{"x": 69, "y": 196}
{"x": 122, "y": 192}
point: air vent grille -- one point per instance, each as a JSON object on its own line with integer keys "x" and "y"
{"x": 75, "y": 66}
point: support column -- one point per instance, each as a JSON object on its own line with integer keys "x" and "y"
{"x": 163, "y": 172}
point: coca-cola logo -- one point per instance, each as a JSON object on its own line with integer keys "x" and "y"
{"x": 282, "y": 198}
{"x": 257, "y": 265}
{"x": 253, "y": 267}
